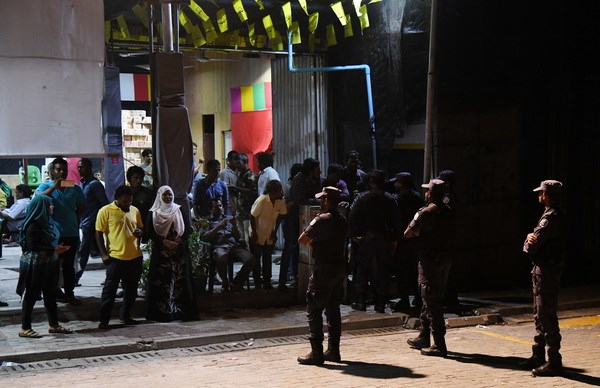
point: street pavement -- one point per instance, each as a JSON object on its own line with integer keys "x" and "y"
{"x": 229, "y": 325}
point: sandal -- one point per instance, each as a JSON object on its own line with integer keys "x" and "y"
{"x": 58, "y": 329}
{"x": 28, "y": 333}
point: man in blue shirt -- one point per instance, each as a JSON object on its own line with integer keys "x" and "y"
{"x": 95, "y": 198}
{"x": 69, "y": 202}
{"x": 209, "y": 188}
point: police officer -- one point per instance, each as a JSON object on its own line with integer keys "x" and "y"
{"x": 450, "y": 201}
{"x": 544, "y": 246}
{"x": 432, "y": 225}
{"x": 326, "y": 234}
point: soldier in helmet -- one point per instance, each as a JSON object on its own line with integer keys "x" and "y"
{"x": 544, "y": 246}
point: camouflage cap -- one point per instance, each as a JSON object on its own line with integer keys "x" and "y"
{"x": 550, "y": 186}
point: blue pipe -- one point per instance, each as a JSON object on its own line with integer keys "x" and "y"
{"x": 367, "y": 71}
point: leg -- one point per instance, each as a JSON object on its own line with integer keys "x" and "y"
{"x": 267, "y": 265}
{"x": 256, "y": 269}
{"x": 247, "y": 259}
{"x": 109, "y": 291}
{"x": 27, "y": 304}
{"x": 363, "y": 258}
{"x": 87, "y": 236}
{"x": 68, "y": 262}
{"x": 314, "y": 309}
{"x": 50, "y": 305}
{"x": 334, "y": 319}
{"x": 221, "y": 257}
{"x": 381, "y": 269}
{"x": 131, "y": 271}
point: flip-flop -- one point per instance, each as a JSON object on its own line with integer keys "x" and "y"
{"x": 59, "y": 330}
{"x": 28, "y": 333}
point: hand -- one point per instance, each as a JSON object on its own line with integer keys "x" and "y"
{"x": 531, "y": 238}
{"x": 274, "y": 236}
{"x": 137, "y": 232}
{"x": 105, "y": 258}
{"x": 61, "y": 249}
{"x": 57, "y": 183}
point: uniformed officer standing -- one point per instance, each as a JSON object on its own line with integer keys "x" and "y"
{"x": 544, "y": 246}
{"x": 432, "y": 225}
{"x": 326, "y": 234}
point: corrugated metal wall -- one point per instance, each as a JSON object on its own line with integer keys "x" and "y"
{"x": 300, "y": 114}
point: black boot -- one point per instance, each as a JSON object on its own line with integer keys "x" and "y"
{"x": 333, "y": 351}
{"x": 438, "y": 349}
{"x": 315, "y": 357}
{"x": 421, "y": 341}
{"x": 537, "y": 359}
{"x": 360, "y": 303}
{"x": 553, "y": 367}
{"x": 380, "y": 304}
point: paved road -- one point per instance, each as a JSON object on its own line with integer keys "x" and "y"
{"x": 484, "y": 356}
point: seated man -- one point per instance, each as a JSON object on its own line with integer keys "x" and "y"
{"x": 14, "y": 216}
{"x": 224, "y": 236}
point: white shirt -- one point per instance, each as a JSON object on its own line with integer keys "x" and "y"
{"x": 17, "y": 212}
{"x": 266, "y": 214}
{"x": 228, "y": 176}
{"x": 266, "y": 175}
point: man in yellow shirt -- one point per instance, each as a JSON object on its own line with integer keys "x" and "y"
{"x": 122, "y": 225}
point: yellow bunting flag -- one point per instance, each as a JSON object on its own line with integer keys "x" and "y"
{"x": 269, "y": 27}
{"x": 141, "y": 11}
{"x": 338, "y": 9}
{"x": 277, "y": 43}
{"x": 251, "y": 37}
{"x": 295, "y": 31}
{"x": 238, "y": 7}
{"x": 348, "y": 27}
{"x": 260, "y": 4}
{"x": 107, "y": 30}
{"x": 311, "y": 43}
{"x": 331, "y": 40}
{"x": 209, "y": 29}
{"x": 287, "y": 14}
{"x": 313, "y": 22}
{"x": 198, "y": 36}
{"x": 185, "y": 22}
{"x": 222, "y": 20}
{"x": 357, "y": 7}
{"x": 234, "y": 40}
{"x": 303, "y": 5}
{"x": 364, "y": 18}
{"x": 123, "y": 27}
{"x": 374, "y": 1}
{"x": 261, "y": 41}
{"x": 199, "y": 11}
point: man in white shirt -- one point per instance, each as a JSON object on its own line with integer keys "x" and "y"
{"x": 14, "y": 216}
{"x": 230, "y": 176}
{"x": 267, "y": 172}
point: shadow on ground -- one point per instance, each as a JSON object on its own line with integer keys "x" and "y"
{"x": 373, "y": 370}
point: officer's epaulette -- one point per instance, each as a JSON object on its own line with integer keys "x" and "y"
{"x": 321, "y": 216}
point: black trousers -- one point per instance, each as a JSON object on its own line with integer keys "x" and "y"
{"x": 545, "y": 304}
{"x": 68, "y": 263}
{"x": 128, "y": 272}
{"x": 29, "y": 299}
{"x": 325, "y": 292}
{"x": 373, "y": 260}
{"x": 263, "y": 267}
{"x": 434, "y": 267}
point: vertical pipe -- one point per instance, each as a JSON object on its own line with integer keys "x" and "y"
{"x": 429, "y": 116}
{"x": 176, "y": 8}
{"x": 167, "y": 24}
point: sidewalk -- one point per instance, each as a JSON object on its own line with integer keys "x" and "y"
{"x": 219, "y": 326}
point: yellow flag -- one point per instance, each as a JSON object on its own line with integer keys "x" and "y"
{"x": 251, "y": 37}
{"x": 331, "y": 40}
{"x": 141, "y": 11}
{"x": 234, "y": 39}
{"x": 348, "y": 27}
{"x": 198, "y": 36}
{"x": 356, "y": 4}
{"x": 199, "y": 11}
{"x": 123, "y": 27}
{"x": 185, "y": 22}
{"x": 287, "y": 13}
{"x": 295, "y": 31}
{"x": 338, "y": 9}
{"x": 269, "y": 27}
{"x": 374, "y": 1}
{"x": 303, "y": 5}
{"x": 311, "y": 43}
{"x": 107, "y": 30}
{"x": 277, "y": 43}
{"x": 313, "y": 22}
{"x": 209, "y": 29}
{"x": 222, "y": 20}
{"x": 364, "y": 18}
{"x": 238, "y": 7}
{"x": 261, "y": 41}
{"x": 260, "y": 5}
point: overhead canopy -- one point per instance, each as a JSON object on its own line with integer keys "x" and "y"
{"x": 51, "y": 78}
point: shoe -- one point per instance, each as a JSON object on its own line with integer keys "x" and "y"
{"x": 120, "y": 294}
{"x": 77, "y": 284}
{"x": 58, "y": 329}
{"x": 434, "y": 351}
{"x": 400, "y": 306}
{"x": 28, "y": 333}
{"x": 548, "y": 370}
{"x": 73, "y": 301}
{"x": 103, "y": 326}
{"x": 282, "y": 286}
{"x": 380, "y": 307}
{"x": 332, "y": 354}
{"x": 129, "y": 322}
{"x": 532, "y": 363}
{"x": 359, "y": 305}
{"x": 419, "y": 342}
{"x": 3, "y": 304}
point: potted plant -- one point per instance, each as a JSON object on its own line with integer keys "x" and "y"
{"x": 200, "y": 255}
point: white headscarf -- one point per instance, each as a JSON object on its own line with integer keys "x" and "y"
{"x": 166, "y": 215}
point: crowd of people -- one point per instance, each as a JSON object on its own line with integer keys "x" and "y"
{"x": 370, "y": 230}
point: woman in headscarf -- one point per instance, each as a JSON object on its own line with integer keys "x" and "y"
{"x": 39, "y": 268}
{"x": 169, "y": 294}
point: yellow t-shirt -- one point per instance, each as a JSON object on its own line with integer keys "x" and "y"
{"x": 3, "y": 202}
{"x": 118, "y": 228}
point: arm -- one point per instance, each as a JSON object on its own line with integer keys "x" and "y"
{"x": 101, "y": 246}
{"x": 254, "y": 233}
{"x": 305, "y": 240}
{"x": 51, "y": 189}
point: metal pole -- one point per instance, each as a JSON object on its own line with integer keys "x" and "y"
{"x": 167, "y": 23}
{"x": 429, "y": 115}
{"x": 176, "y": 8}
